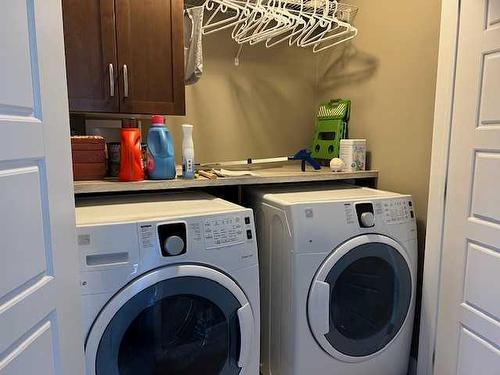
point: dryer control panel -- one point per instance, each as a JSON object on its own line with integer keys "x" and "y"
{"x": 398, "y": 211}
{"x": 226, "y": 230}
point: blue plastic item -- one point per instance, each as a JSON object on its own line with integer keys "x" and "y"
{"x": 161, "y": 156}
{"x": 306, "y": 157}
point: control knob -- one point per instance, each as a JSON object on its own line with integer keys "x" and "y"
{"x": 367, "y": 219}
{"x": 173, "y": 245}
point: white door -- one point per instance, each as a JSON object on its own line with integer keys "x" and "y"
{"x": 40, "y": 330}
{"x": 468, "y": 327}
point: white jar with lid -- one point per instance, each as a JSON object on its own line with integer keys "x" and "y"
{"x": 353, "y": 154}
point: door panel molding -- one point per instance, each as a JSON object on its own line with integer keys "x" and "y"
{"x": 33, "y": 353}
{"x": 16, "y": 314}
{"x": 488, "y": 327}
{"x": 475, "y": 350}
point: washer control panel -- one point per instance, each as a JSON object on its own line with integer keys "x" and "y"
{"x": 398, "y": 211}
{"x": 226, "y": 230}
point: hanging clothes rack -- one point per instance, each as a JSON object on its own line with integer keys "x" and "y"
{"x": 320, "y": 24}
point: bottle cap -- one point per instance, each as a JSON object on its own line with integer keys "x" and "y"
{"x": 129, "y": 123}
{"x": 157, "y": 119}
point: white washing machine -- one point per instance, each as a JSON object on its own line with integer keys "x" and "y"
{"x": 170, "y": 285}
{"x": 338, "y": 274}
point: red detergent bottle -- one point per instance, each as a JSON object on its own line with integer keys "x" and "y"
{"x": 131, "y": 167}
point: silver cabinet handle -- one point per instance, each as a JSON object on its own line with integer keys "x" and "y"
{"x": 111, "y": 80}
{"x": 125, "y": 81}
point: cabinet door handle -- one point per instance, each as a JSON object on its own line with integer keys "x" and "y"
{"x": 111, "y": 80}
{"x": 125, "y": 81}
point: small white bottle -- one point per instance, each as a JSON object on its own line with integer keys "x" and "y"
{"x": 187, "y": 151}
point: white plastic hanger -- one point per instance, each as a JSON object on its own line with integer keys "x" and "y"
{"x": 293, "y": 7}
{"x": 325, "y": 22}
{"x": 338, "y": 36}
{"x": 312, "y": 14}
{"x": 258, "y": 15}
{"x": 321, "y": 24}
{"x": 229, "y": 10}
{"x": 279, "y": 21}
{"x": 245, "y": 17}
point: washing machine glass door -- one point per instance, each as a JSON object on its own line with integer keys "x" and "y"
{"x": 183, "y": 320}
{"x": 360, "y": 297}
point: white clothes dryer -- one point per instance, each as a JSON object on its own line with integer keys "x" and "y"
{"x": 338, "y": 273}
{"x": 170, "y": 285}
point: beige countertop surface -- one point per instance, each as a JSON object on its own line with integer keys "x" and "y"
{"x": 277, "y": 175}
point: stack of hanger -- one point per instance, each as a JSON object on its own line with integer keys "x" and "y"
{"x": 321, "y": 24}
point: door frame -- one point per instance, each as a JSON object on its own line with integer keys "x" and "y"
{"x": 443, "y": 112}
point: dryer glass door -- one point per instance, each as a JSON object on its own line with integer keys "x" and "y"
{"x": 369, "y": 290}
{"x": 182, "y": 325}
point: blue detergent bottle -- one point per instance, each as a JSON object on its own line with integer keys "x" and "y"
{"x": 161, "y": 158}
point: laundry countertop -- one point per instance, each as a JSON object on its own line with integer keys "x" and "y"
{"x": 277, "y": 175}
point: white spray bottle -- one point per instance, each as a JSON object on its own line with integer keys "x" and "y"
{"x": 187, "y": 151}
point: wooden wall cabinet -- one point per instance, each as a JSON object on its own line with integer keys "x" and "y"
{"x": 125, "y": 56}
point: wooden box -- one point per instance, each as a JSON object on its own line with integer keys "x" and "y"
{"x": 89, "y": 157}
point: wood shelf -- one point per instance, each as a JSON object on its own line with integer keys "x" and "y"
{"x": 280, "y": 175}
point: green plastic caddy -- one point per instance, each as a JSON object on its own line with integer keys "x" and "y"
{"x": 331, "y": 126}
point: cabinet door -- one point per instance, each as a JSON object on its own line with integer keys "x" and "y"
{"x": 89, "y": 33}
{"x": 151, "y": 56}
